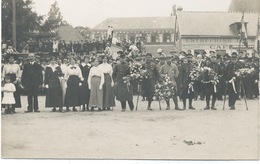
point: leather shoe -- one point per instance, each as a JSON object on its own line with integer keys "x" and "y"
{"x": 191, "y": 107}
{"x": 206, "y": 108}
{"x": 37, "y": 111}
{"x": 27, "y": 111}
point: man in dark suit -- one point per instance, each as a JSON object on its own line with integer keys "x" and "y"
{"x": 123, "y": 85}
{"x": 233, "y": 82}
{"x": 32, "y": 79}
{"x": 151, "y": 78}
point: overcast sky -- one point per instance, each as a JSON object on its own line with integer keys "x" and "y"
{"x": 92, "y": 12}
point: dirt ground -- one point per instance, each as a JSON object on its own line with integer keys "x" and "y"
{"x": 142, "y": 134}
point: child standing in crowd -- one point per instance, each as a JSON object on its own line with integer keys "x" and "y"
{"x": 8, "y": 99}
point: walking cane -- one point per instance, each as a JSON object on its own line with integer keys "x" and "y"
{"x": 225, "y": 96}
{"x": 138, "y": 93}
{"x": 244, "y": 94}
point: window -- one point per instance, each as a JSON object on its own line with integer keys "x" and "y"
{"x": 155, "y": 38}
{"x": 167, "y": 37}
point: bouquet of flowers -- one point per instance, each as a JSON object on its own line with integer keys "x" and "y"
{"x": 165, "y": 89}
{"x": 195, "y": 74}
{"x": 136, "y": 71}
{"x": 209, "y": 75}
{"x": 244, "y": 72}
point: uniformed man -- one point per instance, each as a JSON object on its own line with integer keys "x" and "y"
{"x": 186, "y": 83}
{"x": 250, "y": 81}
{"x": 210, "y": 87}
{"x": 171, "y": 70}
{"x": 161, "y": 63}
{"x": 150, "y": 80}
{"x": 232, "y": 81}
{"x": 198, "y": 86}
{"x": 123, "y": 84}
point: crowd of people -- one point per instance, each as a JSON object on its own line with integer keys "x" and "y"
{"x": 94, "y": 82}
{"x": 80, "y": 48}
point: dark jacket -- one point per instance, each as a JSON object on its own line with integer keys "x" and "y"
{"x": 32, "y": 75}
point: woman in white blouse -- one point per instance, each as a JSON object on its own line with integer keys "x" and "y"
{"x": 108, "y": 94}
{"x": 95, "y": 83}
{"x": 74, "y": 78}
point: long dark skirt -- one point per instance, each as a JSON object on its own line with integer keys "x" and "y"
{"x": 54, "y": 93}
{"x": 96, "y": 94}
{"x": 124, "y": 92}
{"x": 108, "y": 93}
{"x": 72, "y": 97}
{"x": 84, "y": 93}
{"x": 17, "y": 93}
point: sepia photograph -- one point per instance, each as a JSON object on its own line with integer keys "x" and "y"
{"x": 156, "y": 80}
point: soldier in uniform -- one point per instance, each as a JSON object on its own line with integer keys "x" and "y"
{"x": 171, "y": 70}
{"x": 123, "y": 85}
{"x": 152, "y": 76}
{"x": 250, "y": 81}
{"x": 210, "y": 88}
{"x": 233, "y": 83}
{"x": 186, "y": 83}
{"x": 161, "y": 63}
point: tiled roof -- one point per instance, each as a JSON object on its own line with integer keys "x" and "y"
{"x": 135, "y": 23}
{"x": 214, "y": 23}
{"x": 68, "y": 33}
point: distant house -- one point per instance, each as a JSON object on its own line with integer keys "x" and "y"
{"x": 218, "y": 31}
{"x": 155, "y": 32}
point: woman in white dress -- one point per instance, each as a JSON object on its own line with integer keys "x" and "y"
{"x": 108, "y": 94}
{"x": 95, "y": 84}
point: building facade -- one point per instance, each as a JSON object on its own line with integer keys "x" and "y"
{"x": 216, "y": 31}
{"x": 155, "y": 32}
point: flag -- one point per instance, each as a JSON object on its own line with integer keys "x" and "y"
{"x": 243, "y": 32}
{"x": 177, "y": 34}
{"x": 257, "y": 38}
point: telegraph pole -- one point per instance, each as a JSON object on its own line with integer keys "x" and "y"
{"x": 14, "y": 23}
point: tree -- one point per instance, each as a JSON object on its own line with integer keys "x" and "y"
{"x": 26, "y": 20}
{"x": 54, "y": 19}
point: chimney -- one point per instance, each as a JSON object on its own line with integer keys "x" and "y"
{"x": 179, "y": 9}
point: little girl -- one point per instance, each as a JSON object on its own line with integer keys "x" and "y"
{"x": 8, "y": 99}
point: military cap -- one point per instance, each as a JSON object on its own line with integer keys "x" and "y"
{"x": 189, "y": 55}
{"x": 149, "y": 55}
{"x": 138, "y": 59}
{"x": 175, "y": 57}
{"x": 234, "y": 55}
{"x": 121, "y": 54}
{"x": 211, "y": 51}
